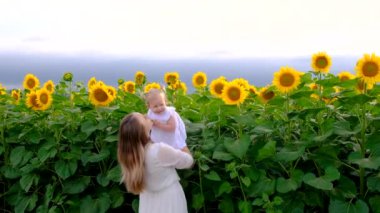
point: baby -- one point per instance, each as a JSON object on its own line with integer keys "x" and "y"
{"x": 168, "y": 126}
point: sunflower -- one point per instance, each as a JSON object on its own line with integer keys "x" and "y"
{"x": 368, "y": 68}
{"x": 31, "y": 82}
{"x": 252, "y": 90}
{"x": 329, "y": 100}
{"x": 199, "y": 80}
{"x": 91, "y": 83}
{"x": 112, "y": 91}
{"x": 217, "y": 85}
{"x": 120, "y": 81}
{"x": 313, "y": 86}
{"x": 68, "y": 76}
{"x": 129, "y": 86}
{"x": 286, "y": 79}
{"x": 361, "y": 86}
{"x": 99, "y": 95}
{"x": 15, "y": 94}
{"x": 181, "y": 86}
{"x": 140, "y": 78}
{"x": 174, "y": 85}
{"x": 44, "y": 99}
{"x": 31, "y": 100}
{"x": 171, "y": 78}
{"x": 344, "y": 76}
{"x": 151, "y": 86}
{"x": 265, "y": 94}
{"x": 321, "y": 62}
{"x": 49, "y": 85}
{"x": 242, "y": 82}
{"x": 233, "y": 94}
{"x": 2, "y": 90}
{"x": 314, "y": 96}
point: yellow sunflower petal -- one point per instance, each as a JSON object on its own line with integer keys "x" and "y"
{"x": 321, "y": 62}
{"x": 171, "y": 77}
{"x": 286, "y": 79}
{"x": 233, "y": 94}
{"x": 199, "y": 80}
{"x": 140, "y": 78}
{"x": 216, "y": 87}
{"x": 91, "y": 83}
{"x": 265, "y": 94}
{"x": 368, "y": 68}
{"x": 44, "y": 99}
{"x": 49, "y": 85}
{"x": 344, "y": 76}
{"x": 99, "y": 95}
{"x": 129, "y": 86}
{"x": 31, "y": 100}
{"x": 31, "y": 82}
{"x": 150, "y": 86}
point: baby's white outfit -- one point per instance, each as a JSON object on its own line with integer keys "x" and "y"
{"x": 176, "y": 139}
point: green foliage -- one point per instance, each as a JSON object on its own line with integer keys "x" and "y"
{"x": 292, "y": 154}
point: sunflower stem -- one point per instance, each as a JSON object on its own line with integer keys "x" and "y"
{"x": 71, "y": 92}
{"x": 240, "y": 127}
{"x": 320, "y": 89}
{"x": 219, "y": 121}
{"x": 363, "y": 146}
{"x": 3, "y": 138}
{"x": 241, "y": 186}
{"x": 201, "y": 187}
{"x": 287, "y": 139}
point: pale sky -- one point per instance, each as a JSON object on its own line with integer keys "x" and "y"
{"x": 193, "y": 28}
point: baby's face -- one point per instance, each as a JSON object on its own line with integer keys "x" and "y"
{"x": 157, "y": 104}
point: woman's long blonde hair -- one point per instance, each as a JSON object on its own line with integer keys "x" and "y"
{"x": 131, "y": 152}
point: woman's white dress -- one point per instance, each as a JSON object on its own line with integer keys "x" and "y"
{"x": 177, "y": 138}
{"x": 163, "y": 193}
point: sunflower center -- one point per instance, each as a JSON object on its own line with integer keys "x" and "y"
{"x": 100, "y": 95}
{"x": 252, "y": 90}
{"x": 321, "y": 62}
{"x": 44, "y": 98}
{"x": 49, "y": 87}
{"x": 31, "y": 83}
{"x": 33, "y": 100}
{"x": 15, "y": 96}
{"x": 344, "y": 78}
{"x": 139, "y": 78}
{"x": 171, "y": 79}
{"x": 200, "y": 80}
{"x": 219, "y": 88}
{"x": 268, "y": 95}
{"x": 234, "y": 94}
{"x": 370, "y": 69}
{"x": 287, "y": 80}
{"x": 130, "y": 88}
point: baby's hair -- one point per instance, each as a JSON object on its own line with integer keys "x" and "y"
{"x": 154, "y": 92}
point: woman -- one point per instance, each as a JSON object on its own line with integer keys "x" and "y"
{"x": 149, "y": 169}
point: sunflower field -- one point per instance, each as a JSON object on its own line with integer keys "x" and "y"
{"x": 308, "y": 142}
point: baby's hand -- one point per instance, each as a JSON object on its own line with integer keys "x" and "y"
{"x": 156, "y": 122}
